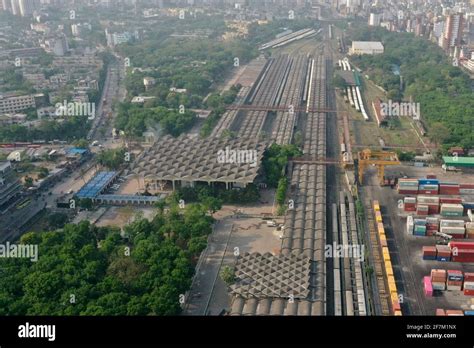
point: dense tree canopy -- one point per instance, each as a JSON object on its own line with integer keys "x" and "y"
{"x": 444, "y": 92}
{"x": 87, "y": 270}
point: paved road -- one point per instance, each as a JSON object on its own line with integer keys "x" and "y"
{"x": 207, "y": 272}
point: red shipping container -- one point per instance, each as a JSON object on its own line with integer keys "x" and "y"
{"x": 408, "y": 192}
{"x": 440, "y": 312}
{"x": 396, "y": 306}
{"x": 467, "y": 259}
{"x": 427, "y": 192}
{"x": 468, "y": 292}
{"x": 433, "y": 209}
{"x": 469, "y": 276}
{"x": 431, "y": 176}
{"x": 462, "y": 245}
{"x": 450, "y": 200}
{"x": 448, "y": 189}
{"x": 466, "y": 186}
{"x": 429, "y": 251}
{"x": 432, "y": 227}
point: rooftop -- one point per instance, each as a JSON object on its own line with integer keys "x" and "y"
{"x": 458, "y": 161}
{"x": 367, "y": 45}
{"x": 195, "y": 159}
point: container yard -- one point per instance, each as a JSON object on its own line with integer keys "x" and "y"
{"x": 428, "y": 220}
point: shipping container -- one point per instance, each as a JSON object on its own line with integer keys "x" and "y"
{"x": 428, "y": 287}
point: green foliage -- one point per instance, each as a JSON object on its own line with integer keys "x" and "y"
{"x": 228, "y": 275}
{"x": 85, "y": 203}
{"x": 213, "y": 197}
{"x": 133, "y": 120}
{"x": 281, "y": 191}
{"x": 112, "y": 158}
{"x": 443, "y": 91}
{"x": 405, "y": 156}
{"x": 275, "y": 160}
{"x": 43, "y": 172}
{"x": 91, "y": 265}
{"x": 71, "y": 129}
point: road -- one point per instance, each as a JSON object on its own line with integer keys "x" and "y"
{"x": 207, "y": 271}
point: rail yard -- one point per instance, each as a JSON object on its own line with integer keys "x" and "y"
{"x": 346, "y": 229}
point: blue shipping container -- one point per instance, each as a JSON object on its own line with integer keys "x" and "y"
{"x": 428, "y": 257}
{"x": 468, "y": 312}
{"x": 443, "y": 258}
{"x": 428, "y": 182}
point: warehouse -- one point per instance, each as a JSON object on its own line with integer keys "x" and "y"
{"x": 366, "y": 47}
{"x": 186, "y": 160}
{"x": 459, "y": 162}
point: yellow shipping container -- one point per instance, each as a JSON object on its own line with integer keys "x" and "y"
{"x": 389, "y": 269}
{"x": 376, "y": 206}
{"x": 394, "y": 296}
{"x": 392, "y": 287}
{"x": 378, "y": 216}
{"x": 380, "y": 228}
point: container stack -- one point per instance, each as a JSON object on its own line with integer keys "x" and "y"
{"x": 431, "y": 202}
{"x": 420, "y": 227}
{"x": 443, "y": 253}
{"x": 455, "y": 280}
{"x": 410, "y": 225}
{"x": 422, "y": 210}
{"x": 452, "y": 210}
{"x": 428, "y": 287}
{"x": 454, "y": 228}
{"x": 428, "y": 186}
{"x": 469, "y": 284}
{"x": 470, "y": 230}
{"x": 462, "y": 251}
{"x": 432, "y": 225}
{"x": 409, "y": 204}
{"x": 429, "y": 253}
{"x": 452, "y": 200}
{"x": 408, "y": 186}
{"x": 438, "y": 279}
{"x": 466, "y": 189}
{"x": 449, "y": 189}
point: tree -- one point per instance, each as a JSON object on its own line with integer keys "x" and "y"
{"x": 28, "y": 181}
{"x": 438, "y": 133}
{"x": 228, "y": 275}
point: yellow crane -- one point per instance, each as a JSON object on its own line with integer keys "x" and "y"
{"x": 380, "y": 159}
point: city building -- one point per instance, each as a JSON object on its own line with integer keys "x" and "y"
{"x": 453, "y": 31}
{"x": 375, "y": 19}
{"x": 366, "y": 47}
{"x": 13, "y": 103}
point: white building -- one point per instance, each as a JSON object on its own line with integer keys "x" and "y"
{"x": 375, "y": 19}
{"x": 366, "y": 47}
